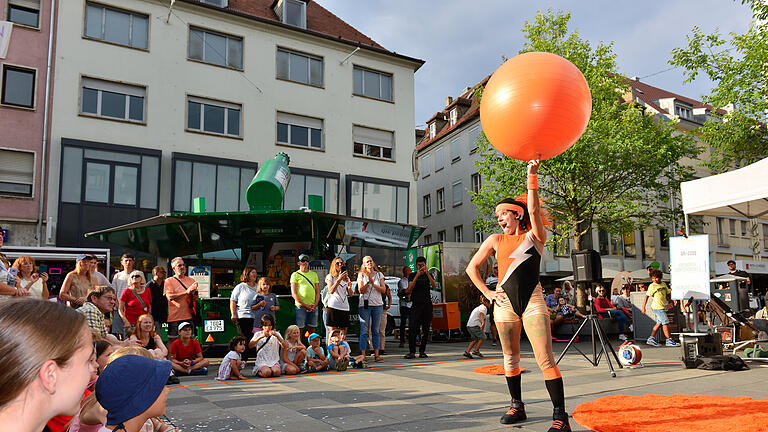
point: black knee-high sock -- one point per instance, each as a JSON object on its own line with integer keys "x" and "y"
{"x": 515, "y": 388}
{"x": 556, "y": 392}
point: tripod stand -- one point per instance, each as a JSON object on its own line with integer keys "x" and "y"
{"x": 605, "y": 345}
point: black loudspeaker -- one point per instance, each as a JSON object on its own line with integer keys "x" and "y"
{"x": 587, "y": 266}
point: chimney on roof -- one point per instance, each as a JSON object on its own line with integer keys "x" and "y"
{"x": 448, "y": 100}
{"x": 634, "y": 78}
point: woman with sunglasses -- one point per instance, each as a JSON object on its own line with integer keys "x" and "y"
{"x": 135, "y": 301}
{"x": 605, "y": 308}
{"x": 519, "y": 299}
{"x": 339, "y": 288}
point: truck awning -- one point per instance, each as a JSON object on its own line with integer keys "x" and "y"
{"x": 173, "y": 234}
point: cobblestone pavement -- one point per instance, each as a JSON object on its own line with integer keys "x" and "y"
{"x": 441, "y": 393}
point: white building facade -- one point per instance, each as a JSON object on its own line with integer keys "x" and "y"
{"x": 154, "y": 106}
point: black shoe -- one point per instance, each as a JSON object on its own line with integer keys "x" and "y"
{"x": 172, "y": 380}
{"x": 423, "y": 355}
{"x": 382, "y": 352}
{"x": 410, "y": 355}
{"x": 560, "y": 421}
{"x": 467, "y": 354}
{"x": 515, "y": 414}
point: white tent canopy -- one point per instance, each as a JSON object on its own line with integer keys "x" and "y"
{"x": 739, "y": 193}
{"x": 727, "y": 278}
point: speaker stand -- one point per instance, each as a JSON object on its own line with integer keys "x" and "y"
{"x": 605, "y": 345}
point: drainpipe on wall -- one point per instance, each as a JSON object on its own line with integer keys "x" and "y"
{"x": 43, "y": 163}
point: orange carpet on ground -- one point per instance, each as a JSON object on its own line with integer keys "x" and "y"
{"x": 493, "y": 370}
{"x": 673, "y": 413}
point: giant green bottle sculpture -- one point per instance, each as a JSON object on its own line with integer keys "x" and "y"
{"x": 268, "y": 186}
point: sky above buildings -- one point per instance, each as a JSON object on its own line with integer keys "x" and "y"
{"x": 462, "y": 41}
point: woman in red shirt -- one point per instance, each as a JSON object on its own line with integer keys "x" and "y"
{"x": 135, "y": 301}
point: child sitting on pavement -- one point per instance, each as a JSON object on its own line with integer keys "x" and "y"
{"x": 268, "y": 343}
{"x": 292, "y": 361}
{"x": 232, "y": 364}
{"x": 186, "y": 353}
{"x": 659, "y": 291}
{"x": 316, "y": 359}
{"x": 338, "y": 353}
{"x": 475, "y": 326}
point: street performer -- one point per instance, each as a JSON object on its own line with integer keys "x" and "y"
{"x": 519, "y": 299}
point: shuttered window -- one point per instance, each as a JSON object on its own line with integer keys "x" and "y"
{"x": 373, "y": 142}
{"x": 17, "y": 173}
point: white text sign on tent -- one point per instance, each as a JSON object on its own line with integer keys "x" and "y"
{"x": 689, "y": 259}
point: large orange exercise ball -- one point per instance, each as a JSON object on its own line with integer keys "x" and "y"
{"x": 536, "y": 104}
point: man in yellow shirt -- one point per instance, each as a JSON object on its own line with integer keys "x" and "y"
{"x": 305, "y": 289}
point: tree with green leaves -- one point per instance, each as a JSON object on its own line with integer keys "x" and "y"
{"x": 620, "y": 175}
{"x": 739, "y": 69}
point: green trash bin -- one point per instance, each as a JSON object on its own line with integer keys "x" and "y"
{"x": 217, "y": 329}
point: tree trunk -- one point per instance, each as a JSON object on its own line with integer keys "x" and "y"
{"x": 581, "y": 294}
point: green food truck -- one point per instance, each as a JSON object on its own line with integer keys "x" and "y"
{"x": 252, "y": 238}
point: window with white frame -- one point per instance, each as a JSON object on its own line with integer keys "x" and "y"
{"x": 441, "y": 199}
{"x": 113, "y": 100}
{"x": 476, "y": 183}
{"x": 18, "y": 86}
{"x": 24, "y": 12}
{"x": 743, "y": 228}
{"x": 299, "y": 67}
{"x": 458, "y": 233}
{"x": 427, "y": 200}
{"x": 458, "y": 193}
{"x": 427, "y": 239}
{"x": 299, "y": 131}
{"x": 425, "y": 167}
{"x": 292, "y": 12}
{"x": 373, "y": 84}
{"x": 455, "y": 150}
{"x": 215, "y": 48}
{"x": 207, "y": 115}
{"x": 17, "y": 172}
{"x": 720, "y": 226}
{"x": 116, "y": 26}
{"x": 441, "y": 236}
{"x": 453, "y": 116}
{"x": 478, "y": 235}
{"x": 439, "y": 159}
{"x": 373, "y": 142}
{"x": 472, "y": 136}
{"x": 309, "y": 182}
{"x": 432, "y": 130}
{"x": 732, "y": 227}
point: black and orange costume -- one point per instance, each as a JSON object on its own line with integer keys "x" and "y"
{"x": 520, "y": 303}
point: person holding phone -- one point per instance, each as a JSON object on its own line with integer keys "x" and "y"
{"x": 370, "y": 284}
{"x": 35, "y": 283}
{"x": 339, "y": 289}
{"x": 420, "y": 284}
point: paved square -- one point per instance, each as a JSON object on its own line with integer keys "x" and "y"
{"x": 441, "y": 393}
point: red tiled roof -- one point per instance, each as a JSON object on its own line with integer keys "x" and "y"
{"x": 648, "y": 94}
{"x": 320, "y": 22}
{"x": 472, "y": 112}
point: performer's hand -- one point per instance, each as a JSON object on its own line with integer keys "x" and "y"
{"x": 533, "y": 166}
